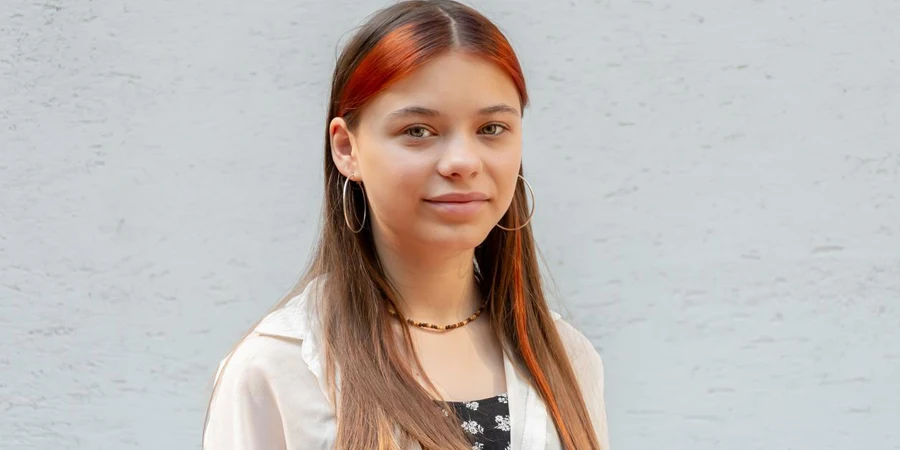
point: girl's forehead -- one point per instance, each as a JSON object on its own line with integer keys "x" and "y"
{"x": 453, "y": 82}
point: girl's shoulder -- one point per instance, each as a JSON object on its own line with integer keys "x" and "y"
{"x": 588, "y": 367}
{"x": 271, "y": 389}
{"x": 580, "y": 349}
{"x": 284, "y": 341}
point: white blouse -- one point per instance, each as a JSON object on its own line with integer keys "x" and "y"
{"x": 272, "y": 395}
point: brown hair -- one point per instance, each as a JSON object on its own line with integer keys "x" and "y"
{"x": 379, "y": 394}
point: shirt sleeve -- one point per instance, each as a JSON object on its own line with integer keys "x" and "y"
{"x": 595, "y": 395}
{"x": 588, "y": 366}
{"x": 244, "y": 413}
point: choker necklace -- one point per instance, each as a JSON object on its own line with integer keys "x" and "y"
{"x": 431, "y": 326}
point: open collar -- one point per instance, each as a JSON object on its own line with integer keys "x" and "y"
{"x": 297, "y": 321}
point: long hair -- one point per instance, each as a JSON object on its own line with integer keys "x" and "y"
{"x": 380, "y": 403}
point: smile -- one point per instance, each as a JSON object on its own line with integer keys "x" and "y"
{"x": 457, "y": 208}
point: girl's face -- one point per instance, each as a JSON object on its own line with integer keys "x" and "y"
{"x": 438, "y": 153}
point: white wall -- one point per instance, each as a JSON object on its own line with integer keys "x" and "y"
{"x": 717, "y": 186}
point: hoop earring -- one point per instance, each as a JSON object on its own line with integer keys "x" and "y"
{"x": 530, "y": 215}
{"x": 344, "y": 205}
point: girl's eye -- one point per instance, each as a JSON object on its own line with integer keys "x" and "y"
{"x": 417, "y": 132}
{"x": 493, "y": 129}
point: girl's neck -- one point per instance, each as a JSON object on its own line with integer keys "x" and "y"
{"x": 438, "y": 288}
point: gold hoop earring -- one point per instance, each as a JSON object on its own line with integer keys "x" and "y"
{"x": 530, "y": 215}
{"x": 344, "y": 205}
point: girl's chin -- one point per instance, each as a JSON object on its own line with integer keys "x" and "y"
{"x": 455, "y": 236}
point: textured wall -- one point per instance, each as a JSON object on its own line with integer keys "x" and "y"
{"x": 717, "y": 190}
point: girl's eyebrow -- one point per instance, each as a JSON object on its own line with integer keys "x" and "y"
{"x": 413, "y": 111}
{"x": 423, "y": 111}
{"x": 501, "y": 109}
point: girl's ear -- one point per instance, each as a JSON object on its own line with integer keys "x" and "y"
{"x": 343, "y": 148}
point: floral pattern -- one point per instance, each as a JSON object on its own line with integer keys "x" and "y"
{"x": 502, "y": 422}
{"x": 486, "y": 422}
{"x": 472, "y": 427}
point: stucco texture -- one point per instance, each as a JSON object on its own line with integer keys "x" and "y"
{"x": 717, "y": 200}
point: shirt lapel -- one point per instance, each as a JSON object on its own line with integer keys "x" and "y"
{"x": 527, "y": 415}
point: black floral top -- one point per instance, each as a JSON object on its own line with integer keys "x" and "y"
{"x": 486, "y": 422}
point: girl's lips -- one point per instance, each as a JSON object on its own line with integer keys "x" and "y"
{"x": 457, "y": 208}
{"x": 459, "y": 197}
